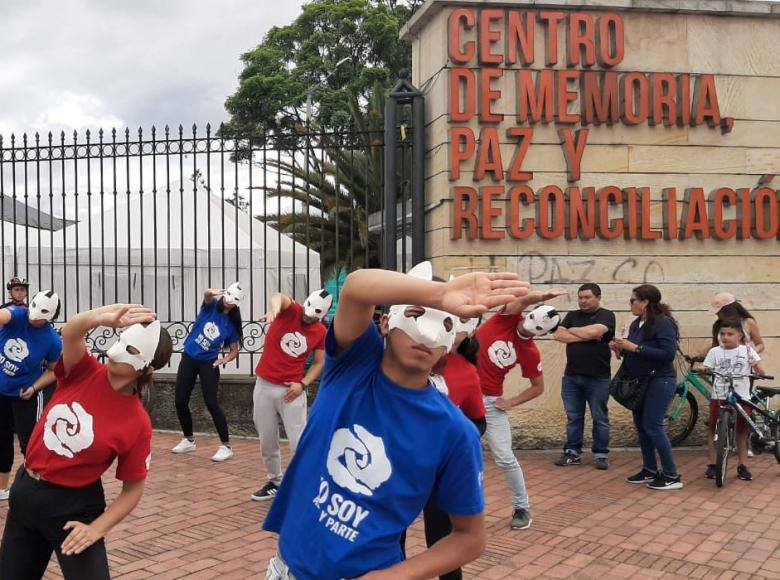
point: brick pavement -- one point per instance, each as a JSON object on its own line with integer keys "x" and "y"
{"x": 196, "y": 521}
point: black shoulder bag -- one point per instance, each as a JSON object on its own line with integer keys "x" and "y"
{"x": 627, "y": 390}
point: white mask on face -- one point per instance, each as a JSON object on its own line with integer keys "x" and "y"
{"x": 427, "y": 326}
{"x": 317, "y": 304}
{"x": 541, "y": 320}
{"x": 43, "y": 306}
{"x": 234, "y": 294}
{"x": 143, "y": 339}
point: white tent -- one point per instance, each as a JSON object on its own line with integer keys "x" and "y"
{"x": 164, "y": 249}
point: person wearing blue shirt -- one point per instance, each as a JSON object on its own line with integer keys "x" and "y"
{"x": 218, "y": 324}
{"x": 648, "y": 353}
{"x": 29, "y": 348}
{"x": 381, "y": 441}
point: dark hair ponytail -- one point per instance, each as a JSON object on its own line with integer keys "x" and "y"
{"x": 162, "y": 355}
{"x": 655, "y": 308}
{"x": 234, "y": 315}
{"x": 469, "y": 349}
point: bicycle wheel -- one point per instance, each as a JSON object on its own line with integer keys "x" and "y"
{"x": 776, "y": 436}
{"x": 724, "y": 438}
{"x": 681, "y": 416}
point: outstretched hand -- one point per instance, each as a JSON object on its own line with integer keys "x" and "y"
{"x": 473, "y": 294}
{"x": 123, "y": 315}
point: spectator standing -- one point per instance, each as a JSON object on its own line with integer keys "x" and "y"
{"x": 587, "y": 333}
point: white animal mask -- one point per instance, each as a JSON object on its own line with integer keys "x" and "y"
{"x": 142, "y": 338}
{"x": 234, "y": 294}
{"x": 542, "y": 320}
{"x": 317, "y": 304}
{"x": 43, "y": 306}
{"x": 426, "y": 326}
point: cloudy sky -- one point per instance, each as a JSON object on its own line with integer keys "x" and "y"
{"x": 93, "y": 63}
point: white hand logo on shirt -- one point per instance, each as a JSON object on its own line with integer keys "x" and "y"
{"x": 358, "y": 461}
{"x": 16, "y": 349}
{"x": 502, "y": 354}
{"x": 211, "y": 331}
{"x": 68, "y": 430}
{"x": 294, "y": 344}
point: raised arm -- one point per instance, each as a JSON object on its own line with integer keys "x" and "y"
{"x": 112, "y": 316}
{"x": 468, "y": 296}
{"x": 534, "y": 297}
{"x": 211, "y": 293}
{"x": 279, "y": 302}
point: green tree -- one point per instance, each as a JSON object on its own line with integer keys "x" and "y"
{"x": 301, "y": 59}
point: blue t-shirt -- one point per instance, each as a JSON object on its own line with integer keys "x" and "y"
{"x": 24, "y": 349}
{"x": 372, "y": 454}
{"x": 212, "y": 329}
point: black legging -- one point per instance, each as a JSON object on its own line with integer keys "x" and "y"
{"x": 189, "y": 370}
{"x": 18, "y": 416}
{"x": 34, "y": 528}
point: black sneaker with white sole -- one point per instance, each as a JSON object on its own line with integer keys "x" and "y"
{"x": 521, "y": 519}
{"x": 665, "y": 483}
{"x": 568, "y": 459}
{"x": 712, "y": 471}
{"x": 267, "y": 492}
{"x": 743, "y": 472}
{"x": 645, "y": 476}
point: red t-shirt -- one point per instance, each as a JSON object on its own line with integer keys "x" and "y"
{"x": 501, "y": 349}
{"x": 287, "y": 346}
{"x": 463, "y": 385}
{"x": 87, "y": 425}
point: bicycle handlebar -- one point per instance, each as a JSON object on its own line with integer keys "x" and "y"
{"x": 732, "y": 377}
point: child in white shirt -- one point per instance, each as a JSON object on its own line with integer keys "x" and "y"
{"x": 734, "y": 358}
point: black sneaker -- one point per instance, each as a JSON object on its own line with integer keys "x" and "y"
{"x": 744, "y": 473}
{"x": 568, "y": 459}
{"x": 601, "y": 463}
{"x": 521, "y": 519}
{"x": 665, "y": 483}
{"x": 644, "y": 476}
{"x": 267, "y": 492}
{"x": 712, "y": 471}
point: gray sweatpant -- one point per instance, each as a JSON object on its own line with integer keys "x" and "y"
{"x": 269, "y": 406}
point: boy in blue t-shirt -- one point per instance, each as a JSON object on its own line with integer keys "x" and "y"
{"x": 381, "y": 440}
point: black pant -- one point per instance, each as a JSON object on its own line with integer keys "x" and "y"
{"x": 18, "y": 416}
{"x": 37, "y": 512}
{"x": 189, "y": 370}
{"x": 437, "y": 526}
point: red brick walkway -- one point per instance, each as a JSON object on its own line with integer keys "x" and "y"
{"x": 196, "y": 521}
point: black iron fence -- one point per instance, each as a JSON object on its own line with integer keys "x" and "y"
{"x": 157, "y": 217}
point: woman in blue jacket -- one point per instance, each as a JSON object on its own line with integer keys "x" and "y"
{"x": 29, "y": 348}
{"x": 649, "y": 352}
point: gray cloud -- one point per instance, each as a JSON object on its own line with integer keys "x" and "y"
{"x": 78, "y": 64}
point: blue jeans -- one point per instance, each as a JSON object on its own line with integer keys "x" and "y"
{"x": 649, "y": 421}
{"x": 499, "y": 438}
{"x": 577, "y": 390}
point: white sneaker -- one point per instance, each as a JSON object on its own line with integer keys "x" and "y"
{"x": 185, "y": 446}
{"x": 4, "y": 493}
{"x": 750, "y": 453}
{"x": 224, "y": 452}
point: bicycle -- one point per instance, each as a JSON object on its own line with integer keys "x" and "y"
{"x": 764, "y": 437}
{"x": 683, "y": 411}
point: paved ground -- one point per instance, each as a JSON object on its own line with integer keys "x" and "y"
{"x": 196, "y": 521}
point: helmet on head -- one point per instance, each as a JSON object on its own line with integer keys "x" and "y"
{"x": 234, "y": 294}
{"x": 317, "y": 304}
{"x": 426, "y": 326}
{"x": 542, "y": 320}
{"x": 143, "y": 339}
{"x": 45, "y": 305}
{"x": 17, "y": 281}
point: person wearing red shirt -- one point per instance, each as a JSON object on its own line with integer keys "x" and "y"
{"x": 505, "y": 343}
{"x": 95, "y": 416}
{"x": 293, "y": 331}
{"x": 460, "y": 380}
